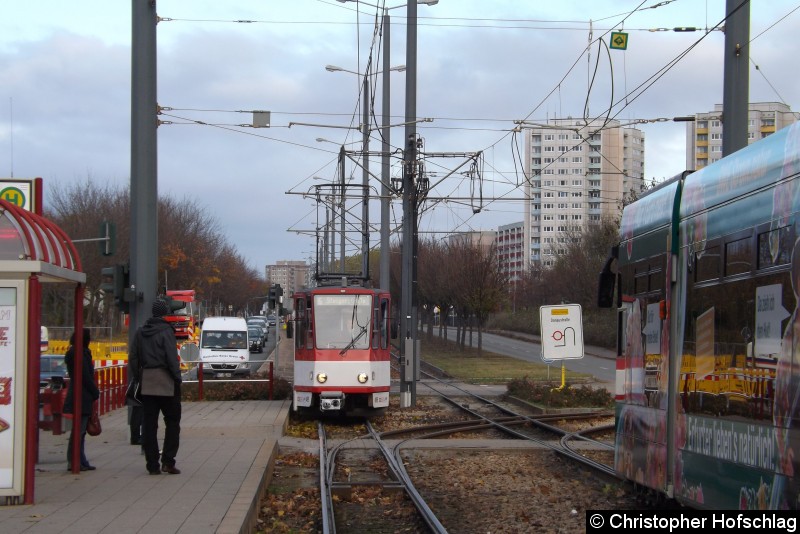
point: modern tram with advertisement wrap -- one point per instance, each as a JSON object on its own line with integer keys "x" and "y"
{"x": 707, "y": 277}
{"x": 341, "y": 344}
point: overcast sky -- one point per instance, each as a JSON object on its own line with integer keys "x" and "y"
{"x": 65, "y": 81}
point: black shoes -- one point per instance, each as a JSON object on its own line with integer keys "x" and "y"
{"x": 83, "y": 468}
{"x": 171, "y": 469}
{"x": 156, "y": 472}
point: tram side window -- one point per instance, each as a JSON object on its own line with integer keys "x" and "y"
{"x": 309, "y": 312}
{"x": 300, "y": 326}
{"x": 707, "y": 264}
{"x": 774, "y": 247}
{"x": 384, "y": 323}
{"x": 738, "y": 257}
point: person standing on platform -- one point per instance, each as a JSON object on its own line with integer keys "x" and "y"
{"x": 89, "y": 394}
{"x": 153, "y": 360}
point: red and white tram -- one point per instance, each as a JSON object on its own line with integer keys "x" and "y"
{"x": 341, "y": 344}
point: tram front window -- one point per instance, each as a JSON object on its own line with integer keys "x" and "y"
{"x": 342, "y": 321}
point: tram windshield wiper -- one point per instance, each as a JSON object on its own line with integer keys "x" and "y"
{"x": 355, "y": 340}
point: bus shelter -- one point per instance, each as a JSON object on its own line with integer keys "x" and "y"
{"x": 33, "y": 251}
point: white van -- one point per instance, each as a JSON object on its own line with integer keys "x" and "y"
{"x": 224, "y": 347}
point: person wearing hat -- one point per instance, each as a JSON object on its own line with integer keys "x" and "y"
{"x": 153, "y": 360}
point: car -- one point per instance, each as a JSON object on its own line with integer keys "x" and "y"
{"x": 51, "y": 366}
{"x": 259, "y": 322}
{"x": 271, "y": 319}
{"x": 254, "y": 334}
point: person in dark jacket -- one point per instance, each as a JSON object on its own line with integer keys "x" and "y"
{"x": 154, "y": 347}
{"x": 89, "y": 394}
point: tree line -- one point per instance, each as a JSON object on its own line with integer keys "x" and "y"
{"x": 192, "y": 252}
{"x": 465, "y": 279}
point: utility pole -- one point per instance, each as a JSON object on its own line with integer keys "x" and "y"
{"x": 409, "y": 359}
{"x": 365, "y": 185}
{"x": 385, "y": 167}
{"x": 144, "y": 163}
{"x": 736, "y": 83}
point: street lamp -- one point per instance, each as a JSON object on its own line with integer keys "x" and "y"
{"x": 365, "y": 168}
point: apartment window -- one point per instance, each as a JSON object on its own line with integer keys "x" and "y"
{"x": 563, "y": 160}
{"x": 548, "y": 160}
{"x": 549, "y": 149}
{"x": 577, "y": 171}
{"x": 536, "y": 161}
{"x": 548, "y": 194}
{"x": 562, "y": 183}
{"x": 577, "y": 205}
{"x": 577, "y": 159}
{"x": 577, "y": 182}
{"x": 548, "y": 183}
{"x": 716, "y": 136}
{"x": 577, "y": 148}
{"x": 577, "y": 217}
{"x": 536, "y": 150}
{"x": 751, "y": 135}
{"x": 563, "y": 137}
{"x": 563, "y": 206}
{"x": 576, "y": 136}
{"x": 548, "y": 217}
{"x": 563, "y": 194}
{"x": 547, "y": 228}
{"x": 548, "y": 206}
{"x": 702, "y": 125}
{"x": 562, "y": 217}
{"x": 562, "y": 228}
{"x": 549, "y": 137}
{"x": 716, "y": 124}
{"x": 563, "y": 171}
{"x": 563, "y": 148}
{"x": 716, "y": 149}
{"x": 548, "y": 171}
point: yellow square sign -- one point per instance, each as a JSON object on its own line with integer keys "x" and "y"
{"x": 619, "y": 41}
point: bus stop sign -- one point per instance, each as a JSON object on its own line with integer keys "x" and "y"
{"x": 561, "y": 332}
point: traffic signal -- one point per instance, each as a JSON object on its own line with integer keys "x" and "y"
{"x": 115, "y": 281}
{"x": 174, "y": 305}
{"x": 108, "y": 241}
{"x": 275, "y": 296}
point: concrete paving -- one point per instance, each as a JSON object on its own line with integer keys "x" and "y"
{"x": 224, "y": 457}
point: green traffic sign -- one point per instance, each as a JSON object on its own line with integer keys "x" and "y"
{"x": 619, "y": 41}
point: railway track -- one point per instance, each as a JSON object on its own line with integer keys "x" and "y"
{"x": 397, "y": 479}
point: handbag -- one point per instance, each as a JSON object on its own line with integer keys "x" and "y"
{"x": 93, "y": 427}
{"x": 157, "y": 382}
{"x": 133, "y": 395}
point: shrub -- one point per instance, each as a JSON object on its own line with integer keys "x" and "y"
{"x": 548, "y": 394}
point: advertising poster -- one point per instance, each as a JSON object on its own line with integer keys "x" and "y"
{"x": 10, "y": 388}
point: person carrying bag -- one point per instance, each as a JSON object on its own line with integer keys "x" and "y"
{"x": 153, "y": 362}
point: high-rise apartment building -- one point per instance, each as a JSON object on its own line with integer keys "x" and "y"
{"x": 704, "y": 135}
{"x": 511, "y": 251}
{"x": 577, "y": 174}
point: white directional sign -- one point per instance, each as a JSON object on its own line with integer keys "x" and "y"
{"x": 561, "y": 332}
{"x": 769, "y": 315}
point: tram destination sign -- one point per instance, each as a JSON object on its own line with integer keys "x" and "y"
{"x": 561, "y": 332}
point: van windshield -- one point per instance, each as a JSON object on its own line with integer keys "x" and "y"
{"x": 214, "y": 339}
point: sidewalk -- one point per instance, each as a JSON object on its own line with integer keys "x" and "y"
{"x": 225, "y": 457}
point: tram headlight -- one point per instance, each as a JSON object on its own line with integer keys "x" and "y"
{"x": 362, "y": 378}
{"x": 322, "y": 378}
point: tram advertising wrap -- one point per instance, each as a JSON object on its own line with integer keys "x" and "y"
{"x": 705, "y": 282}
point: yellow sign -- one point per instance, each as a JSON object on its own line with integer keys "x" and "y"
{"x": 619, "y": 41}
